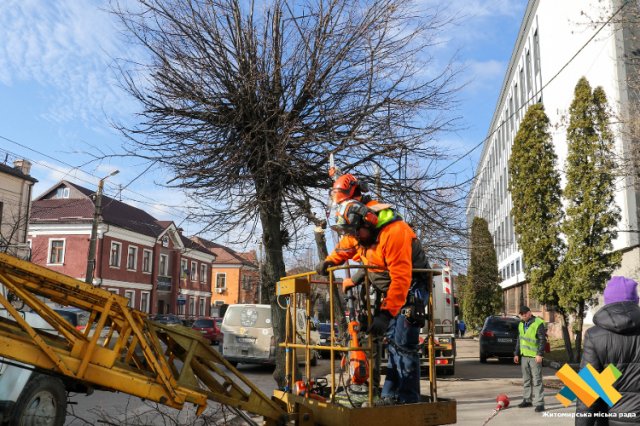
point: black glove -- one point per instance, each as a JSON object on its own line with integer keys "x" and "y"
{"x": 321, "y": 269}
{"x": 380, "y": 323}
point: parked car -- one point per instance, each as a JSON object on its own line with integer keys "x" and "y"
{"x": 167, "y": 319}
{"x": 76, "y": 317}
{"x": 210, "y": 329}
{"x": 324, "y": 331}
{"x": 498, "y": 337}
{"x": 248, "y": 335}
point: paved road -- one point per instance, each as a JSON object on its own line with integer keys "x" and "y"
{"x": 474, "y": 386}
{"x": 121, "y": 409}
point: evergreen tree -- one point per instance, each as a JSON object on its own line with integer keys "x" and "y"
{"x": 592, "y": 216}
{"x": 534, "y": 183}
{"x": 482, "y": 294}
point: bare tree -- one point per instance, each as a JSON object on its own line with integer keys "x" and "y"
{"x": 242, "y": 103}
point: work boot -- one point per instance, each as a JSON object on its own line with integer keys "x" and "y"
{"x": 524, "y": 404}
{"x": 539, "y": 408}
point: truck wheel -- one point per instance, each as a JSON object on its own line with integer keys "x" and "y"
{"x": 43, "y": 401}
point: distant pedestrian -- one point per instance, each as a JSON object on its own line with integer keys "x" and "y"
{"x": 615, "y": 339}
{"x": 456, "y": 327}
{"x": 462, "y": 327}
{"x": 532, "y": 339}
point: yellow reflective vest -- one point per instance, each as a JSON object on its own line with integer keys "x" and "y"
{"x": 528, "y": 341}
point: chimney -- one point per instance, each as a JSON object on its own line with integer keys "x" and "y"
{"x": 23, "y": 165}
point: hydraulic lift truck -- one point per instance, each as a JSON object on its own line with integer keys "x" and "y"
{"x": 323, "y": 409}
{"x": 121, "y": 350}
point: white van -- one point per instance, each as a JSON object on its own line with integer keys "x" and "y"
{"x": 248, "y": 335}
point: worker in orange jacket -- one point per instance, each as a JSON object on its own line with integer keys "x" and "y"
{"x": 390, "y": 246}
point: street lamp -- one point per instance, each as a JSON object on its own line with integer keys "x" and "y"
{"x": 91, "y": 260}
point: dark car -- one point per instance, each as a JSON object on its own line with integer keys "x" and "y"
{"x": 167, "y": 319}
{"x": 498, "y": 337}
{"x": 324, "y": 330}
{"x": 75, "y": 316}
{"x": 210, "y": 329}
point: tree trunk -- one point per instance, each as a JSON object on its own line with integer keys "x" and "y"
{"x": 273, "y": 269}
{"x": 564, "y": 322}
{"x": 578, "y": 330}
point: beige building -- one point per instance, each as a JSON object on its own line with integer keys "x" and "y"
{"x": 16, "y": 185}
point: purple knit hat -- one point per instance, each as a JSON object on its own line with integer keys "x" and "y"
{"x": 620, "y": 289}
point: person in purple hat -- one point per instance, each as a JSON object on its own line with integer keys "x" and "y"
{"x": 615, "y": 339}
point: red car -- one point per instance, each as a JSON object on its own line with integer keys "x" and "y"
{"x": 210, "y": 329}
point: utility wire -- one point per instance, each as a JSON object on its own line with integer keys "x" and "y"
{"x": 535, "y": 95}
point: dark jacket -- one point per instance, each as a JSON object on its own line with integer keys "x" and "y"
{"x": 541, "y": 338}
{"x": 615, "y": 339}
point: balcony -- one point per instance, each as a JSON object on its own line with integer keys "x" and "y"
{"x": 164, "y": 284}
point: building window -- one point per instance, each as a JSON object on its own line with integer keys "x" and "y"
{"x": 130, "y": 295}
{"x": 146, "y": 261}
{"x": 56, "y": 252}
{"x": 527, "y": 62}
{"x": 536, "y": 52}
{"x": 114, "y": 257}
{"x": 221, "y": 280}
{"x": 62, "y": 192}
{"x": 144, "y": 301}
{"x": 132, "y": 258}
{"x": 192, "y": 306}
{"x": 163, "y": 267}
{"x": 113, "y": 291}
{"x": 246, "y": 283}
{"x": 194, "y": 271}
{"x": 201, "y": 310}
{"x": 184, "y": 269}
{"x": 523, "y": 90}
{"x": 203, "y": 273}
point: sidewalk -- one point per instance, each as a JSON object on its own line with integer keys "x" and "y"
{"x": 476, "y": 400}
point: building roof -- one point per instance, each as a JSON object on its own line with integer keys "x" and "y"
{"x": 80, "y": 208}
{"x": 225, "y": 255}
{"x": 4, "y": 168}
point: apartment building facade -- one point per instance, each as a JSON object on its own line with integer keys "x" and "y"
{"x": 148, "y": 261}
{"x": 558, "y": 43}
{"x": 16, "y": 185}
{"x": 235, "y": 276}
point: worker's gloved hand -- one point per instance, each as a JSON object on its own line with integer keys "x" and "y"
{"x": 347, "y": 283}
{"x": 321, "y": 269}
{"x": 380, "y": 323}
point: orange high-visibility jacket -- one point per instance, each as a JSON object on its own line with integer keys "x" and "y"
{"x": 392, "y": 252}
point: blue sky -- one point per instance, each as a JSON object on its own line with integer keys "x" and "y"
{"x": 58, "y": 91}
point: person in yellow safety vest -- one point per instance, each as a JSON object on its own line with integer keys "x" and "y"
{"x": 532, "y": 338}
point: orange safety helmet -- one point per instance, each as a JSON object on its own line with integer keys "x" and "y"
{"x": 346, "y": 187}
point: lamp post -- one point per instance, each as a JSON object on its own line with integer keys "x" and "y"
{"x": 91, "y": 260}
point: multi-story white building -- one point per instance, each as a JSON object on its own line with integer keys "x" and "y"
{"x": 558, "y": 43}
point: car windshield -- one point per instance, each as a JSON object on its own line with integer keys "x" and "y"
{"x": 503, "y": 324}
{"x": 203, "y": 323}
{"x": 248, "y": 316}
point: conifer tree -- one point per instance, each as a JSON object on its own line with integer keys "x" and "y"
{"x": 482, "y": 293}
{"x": 592, "y": 216}
{"x": 534, "y": 183}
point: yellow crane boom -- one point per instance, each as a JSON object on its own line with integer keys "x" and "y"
{"x": 120, "y": 349}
